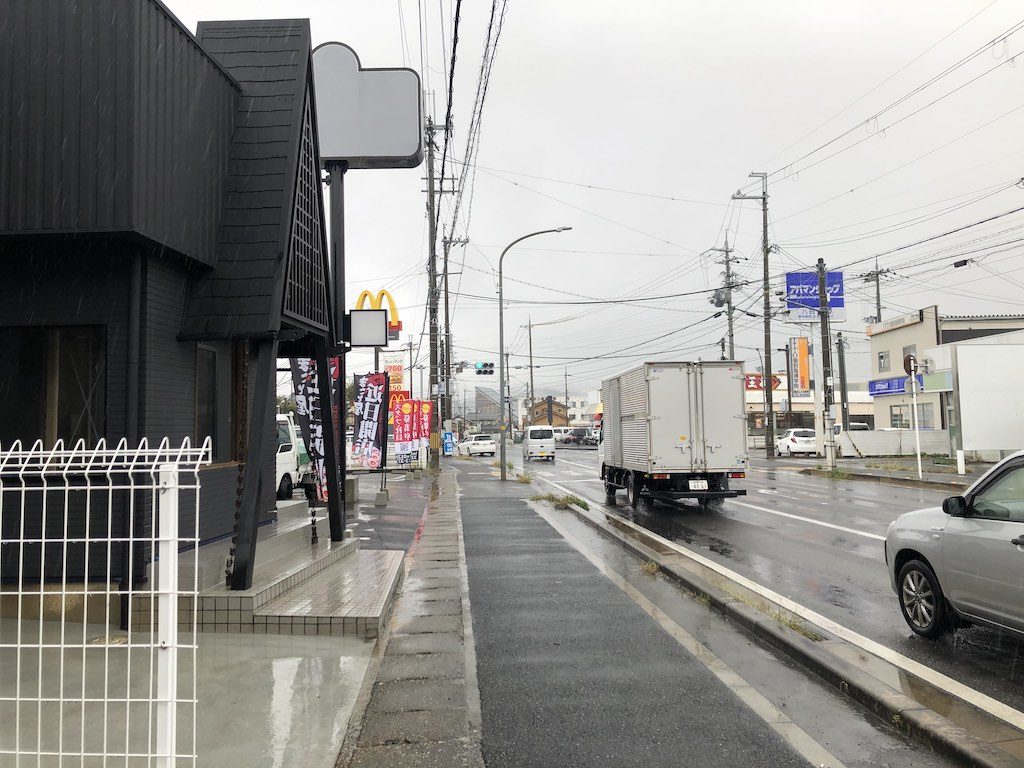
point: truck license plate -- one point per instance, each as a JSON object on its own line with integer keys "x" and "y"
{"x": 698, "y": 485}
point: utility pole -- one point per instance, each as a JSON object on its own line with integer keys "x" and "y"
{"x": 410, "y": 365}
{"x": 844, "y": 395}
{"x": 826, "y": 364}
{"x": 448, "y": 243}
{"x": 567, "y": 393}
{"x": 434, "y": 459}
{"x": 529, "y": 326}
{"x": 509, "y": 394}
{"x": 876, "y": 275}
{"x": 727, "y": 252}
{"x": 769, "y": 426}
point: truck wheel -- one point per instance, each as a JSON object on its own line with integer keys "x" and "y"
{"x": 609, "y": 492}
{"x": 632, "y": 490}
{"x": 284, "y": 490}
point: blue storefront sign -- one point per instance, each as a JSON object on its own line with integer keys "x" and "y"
{"x": 802, "y": 296}
{"x": 448, "y": 443}
{"x": 896, "y": 385}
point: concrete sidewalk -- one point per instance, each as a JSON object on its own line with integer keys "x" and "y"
{"x": 423, "y": 709}
{"x": 903, "y": 471}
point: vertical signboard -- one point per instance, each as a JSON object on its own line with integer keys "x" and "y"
{"x": 405, "y": 444}
{"x": 307, "y": 409}
{"x": 370, "y": 430}
{"x": 394, "y": 367}
{"x": 426, "y": 407}
{"x": 800, "y": 364}
{"x": 395, "y": 398}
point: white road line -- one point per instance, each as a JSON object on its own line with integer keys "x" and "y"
{"x": 589, "y": 467}
{"x": 760, "y": 705}
{"x": 584, "y": 480}
{"x": 811, "y": 520}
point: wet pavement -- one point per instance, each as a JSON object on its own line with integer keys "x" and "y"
{"x": 572, "y": 672}
{"x": 819, "y": 542}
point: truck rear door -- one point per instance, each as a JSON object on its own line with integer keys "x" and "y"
{"x": 723, "y": 443}
{"x": 670, "y": 412}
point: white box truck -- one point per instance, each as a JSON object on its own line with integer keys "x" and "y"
{"x": 674, "y": 431}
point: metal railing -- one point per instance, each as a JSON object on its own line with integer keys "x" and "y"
{"x": 80, "y": 528}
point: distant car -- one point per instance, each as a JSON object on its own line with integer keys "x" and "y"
{"x": 576, "y": 436}
{"x": 478, "y": 445}
{"x": 539, "y": 443}
{"x": 963, "y": 563}
{"x": 560, "y": 433}
{"x": 794, "y": 441}
{"x": 854, "y": 426}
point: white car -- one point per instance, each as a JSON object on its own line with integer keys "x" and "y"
{"x": 963, "y": 563}
{"x": 478, "y": 445}
{"x": 794, "y": 441}
{"x": 539, "y": 443}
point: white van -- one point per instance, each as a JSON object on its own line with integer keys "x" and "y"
{"x": 294, "y": 468}
{"x": 539, "y": 443}
{"x": 560, "y": 433}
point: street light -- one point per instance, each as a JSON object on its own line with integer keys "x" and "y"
{"x": 501, "y": 338}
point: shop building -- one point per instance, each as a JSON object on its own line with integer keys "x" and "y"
{"x": 161, "y": 241}
{"x": 913, "y": 334}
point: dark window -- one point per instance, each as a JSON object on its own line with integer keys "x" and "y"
{"x": 206, "y": 398}
{"x": 53, "y": 384}
{"x": 541, "y": 434}
{"x": 1003, "y": 499}
{"x": 883, "y": 362}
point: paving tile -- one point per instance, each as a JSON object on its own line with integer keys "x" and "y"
{"x": 412, "y": 625}
{"x": 433, "y": 608}
{"x": 421, "y": 666}
{"x": 410, "y": 695}
{"x": 447, "y": 754}
{"x": 433, "y": 642}
{"x": 412, "y": 727}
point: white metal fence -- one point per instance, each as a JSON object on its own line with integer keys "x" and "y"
{"x": 91, "y": 540}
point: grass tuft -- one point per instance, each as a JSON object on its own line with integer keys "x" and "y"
{"x": 561, "y": 502}
{"x": 650, "y": 568}
{"x": 525, "y": 478}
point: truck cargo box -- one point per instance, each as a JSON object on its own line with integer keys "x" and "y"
{"x": 676, "y": 417}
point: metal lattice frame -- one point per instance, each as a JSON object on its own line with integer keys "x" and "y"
{"x": 306, "y": 293}
{"x": 74, "y": 689}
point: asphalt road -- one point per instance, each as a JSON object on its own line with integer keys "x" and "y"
{"x": 819, "y": 542}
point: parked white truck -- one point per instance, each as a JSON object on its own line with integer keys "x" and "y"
{"x": 674, "y": 431}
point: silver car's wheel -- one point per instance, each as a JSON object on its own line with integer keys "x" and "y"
{"x": 921, "y": 599}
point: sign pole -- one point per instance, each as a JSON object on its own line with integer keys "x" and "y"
{"x": 910, "y": 365}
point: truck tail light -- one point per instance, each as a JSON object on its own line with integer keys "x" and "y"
{"x": 739, "y": 475}
{"x": 660, "y": 476}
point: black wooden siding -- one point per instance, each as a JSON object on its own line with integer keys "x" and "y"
{"x": 114, "y": 119}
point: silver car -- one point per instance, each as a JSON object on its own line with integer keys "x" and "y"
{"x": 963, "y": 563}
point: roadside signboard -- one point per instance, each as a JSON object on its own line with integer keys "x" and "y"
{"x": 395, "y": 398}
{"x": 800, "y": 364}
{"x": 307, "y": 410}
{"x": 370, "y": 431}
{"x": 448, "y": 443}
{"x": 802, "y": 296}
{"x": 757, "y": 381}
{"x": 426, "y": 408}
{"x": 406, "y": 445}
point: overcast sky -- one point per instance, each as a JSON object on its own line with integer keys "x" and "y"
{"x": 682, "y": 100}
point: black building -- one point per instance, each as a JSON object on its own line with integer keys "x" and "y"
{"x": 161, "y": 235}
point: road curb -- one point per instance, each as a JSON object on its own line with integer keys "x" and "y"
{"x": 896, "y": 709}
{"x": 910, "y": 482}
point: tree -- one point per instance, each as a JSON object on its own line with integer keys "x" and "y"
{"x": 286, "y": 404}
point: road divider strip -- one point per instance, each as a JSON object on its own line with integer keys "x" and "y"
{"x": 769, "y": 616}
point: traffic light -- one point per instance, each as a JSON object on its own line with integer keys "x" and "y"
{"x": 484, "y": 369}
